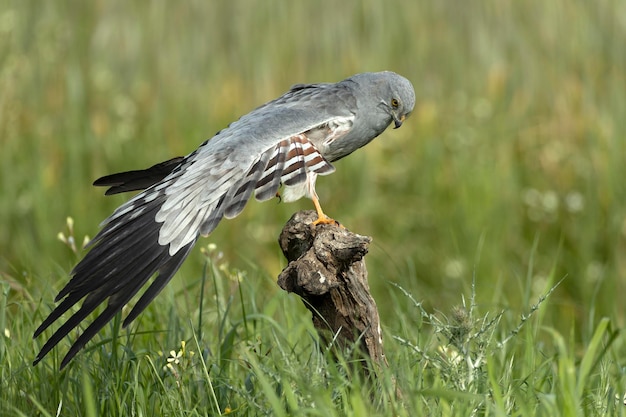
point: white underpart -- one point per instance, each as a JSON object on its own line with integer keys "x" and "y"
{"x": 296, "y": 192}
{"x": 339, "y": 127}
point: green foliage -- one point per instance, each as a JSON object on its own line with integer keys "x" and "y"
{"x": 261, "y": 361}
{"x": 506, "y": 180}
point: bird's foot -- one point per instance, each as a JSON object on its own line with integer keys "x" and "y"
{"x": 321, "y": 217}
{"x": 324, "y": 219}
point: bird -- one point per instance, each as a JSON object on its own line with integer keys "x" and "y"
{"x": 286, "y": 142}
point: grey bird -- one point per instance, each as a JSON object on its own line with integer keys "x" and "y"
{"x": 288, "y": 141}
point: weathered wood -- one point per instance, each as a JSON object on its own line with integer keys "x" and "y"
{"x": 327, "y": 270}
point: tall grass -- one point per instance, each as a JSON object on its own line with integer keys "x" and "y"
{"x": 510, "y": 170}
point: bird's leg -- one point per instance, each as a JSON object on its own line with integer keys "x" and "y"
{"x": 321, "y": 217}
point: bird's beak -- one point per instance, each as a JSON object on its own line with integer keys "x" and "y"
{"x": 398, "y": 121}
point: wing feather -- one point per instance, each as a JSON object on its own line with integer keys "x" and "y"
{"x": 137, "y": 179}
{"x": 268, "y": 185}
{"x": 225, "y": 190}
{"x": 121, "y": 261}
{"x": 282, "y": 141}
{"x": 240, "y": 197}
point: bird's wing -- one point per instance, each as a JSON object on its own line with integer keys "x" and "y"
{"x": 139, "y": 179}
{"x": 154, "y": 232}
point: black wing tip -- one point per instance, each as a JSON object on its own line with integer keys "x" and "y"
{"x": 136, "y": 180}
{"x": 66, "y": 360}
{"x": 167, "y": 267}
{"x": 118, "y": 190}
{"x": 115, "y": 187}
{"x": 108, "y": 181}
{"x": 105, "y": 181}
{"x": 40, "y": 357}
{"x": 39, "y": 330}
{"x": 43, "y": 352}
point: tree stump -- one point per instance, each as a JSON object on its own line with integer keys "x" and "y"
{"x": 327, "y": 270}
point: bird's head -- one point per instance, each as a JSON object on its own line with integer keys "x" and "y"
{"x": 391, "y": 95}
{"x": 400, "y": 98}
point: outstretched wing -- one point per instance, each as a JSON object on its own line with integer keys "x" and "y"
{"x": 280, "y": 142}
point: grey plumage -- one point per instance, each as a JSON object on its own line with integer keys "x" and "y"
{"x": 286, "y": 141}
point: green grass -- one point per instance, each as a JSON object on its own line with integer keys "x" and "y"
{"x": 506, "y": 180}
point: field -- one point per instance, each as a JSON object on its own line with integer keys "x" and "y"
{"x": 498, "y": 210}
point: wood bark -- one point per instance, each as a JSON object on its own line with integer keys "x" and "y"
{"x": 327, "y": 270}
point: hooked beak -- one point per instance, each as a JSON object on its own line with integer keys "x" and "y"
{"x": 398, "y": 121}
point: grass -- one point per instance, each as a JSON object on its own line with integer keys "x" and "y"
{"x": 258, "y": 362}
{"x": 506, "y": 180}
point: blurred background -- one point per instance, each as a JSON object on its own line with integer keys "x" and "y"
{"x": 509, "y": 172}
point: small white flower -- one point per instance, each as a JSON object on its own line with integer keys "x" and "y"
{"x": 175, "y": 357}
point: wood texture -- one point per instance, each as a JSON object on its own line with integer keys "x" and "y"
{"x": 327, "y": 270}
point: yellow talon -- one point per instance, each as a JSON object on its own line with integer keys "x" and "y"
{"x": 325, "y": 220}
{"x": 321, "y": 217}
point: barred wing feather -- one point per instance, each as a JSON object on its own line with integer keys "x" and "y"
{"x": 155, "y": 231}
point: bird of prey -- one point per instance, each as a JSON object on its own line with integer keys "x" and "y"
{"x": 288, "y": 141}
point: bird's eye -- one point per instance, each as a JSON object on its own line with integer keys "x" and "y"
{"x": 394, "y": 103}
